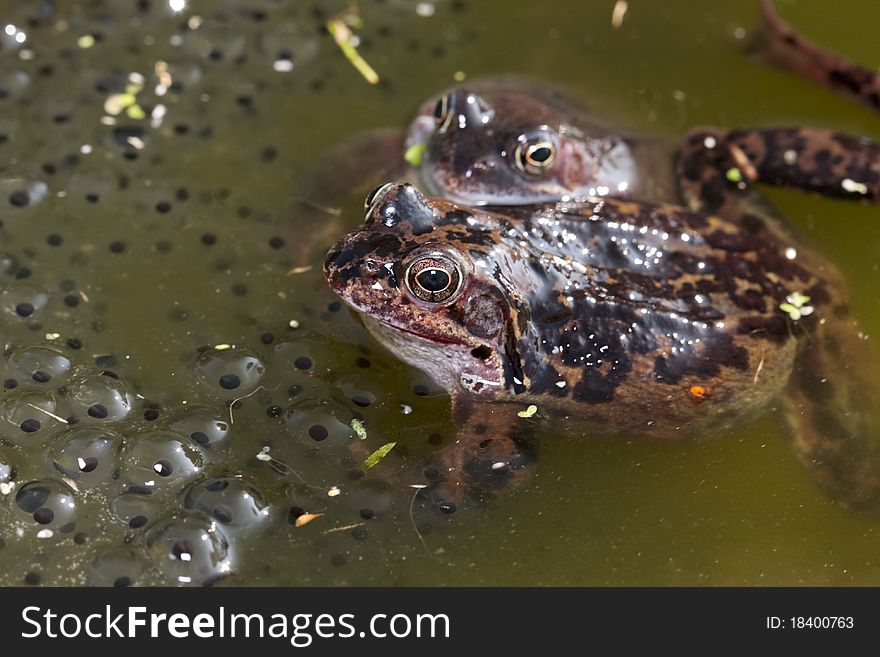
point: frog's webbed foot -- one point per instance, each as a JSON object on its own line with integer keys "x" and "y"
{"x": 494, "y": 453}
{"x": 832, "y": 410}
{"x": 716, "y": 168}
{"x": 790, "y": 50}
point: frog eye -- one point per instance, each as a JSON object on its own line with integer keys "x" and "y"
{"x": 535, "y": 156}
{"x": 443, "y": 111}
{"x": 433, "y": 278}
{"x": 376, "y": 193}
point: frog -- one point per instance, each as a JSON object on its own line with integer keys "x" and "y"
{"x": 509, "y": 141}
{"x": 635, "y": 318}
{"x": 590, "y": 274}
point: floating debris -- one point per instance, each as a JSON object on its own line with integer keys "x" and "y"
{"x": 854, "y": 187}
{"x": 619, "y": 13}
{"x": 359, "y": 428}
{"x": 340, "y": 29}
{"x": 796, "y": 306}
{"x": 734, "y": 175}
{"x": 528, "y": 412}
{"x": 699, "y": 392}
{"x": 333, "y": 492}
{"x": 377, "y": 456}
{"x": 344, "y": 528}
{"x": 305, "y": 519}
{"x": 117, "y": 103}
{"x": 415, "y": 153}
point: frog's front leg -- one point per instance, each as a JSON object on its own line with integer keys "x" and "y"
{"x": 715, "y": 168}
{"x": 494, "y": 452}
{"x": 787, "y": 48}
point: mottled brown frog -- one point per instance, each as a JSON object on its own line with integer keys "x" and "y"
{"x": 636, "y": 316}
{"x": 643, "y": 319}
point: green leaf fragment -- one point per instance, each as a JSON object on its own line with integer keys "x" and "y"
{"x": 529, "y": 412}
{"x": 135, "y": 112}
{"x": 790, "y": 310}
{"x": 415, "y": 153}
{"x": 798, "y": 300}
{"x": 377, "y": 456}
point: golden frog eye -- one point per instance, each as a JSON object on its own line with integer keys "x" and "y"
{"x": 443, "y": 111}
{"x": 536, "y": 156}
{"x": 433, "y": 278}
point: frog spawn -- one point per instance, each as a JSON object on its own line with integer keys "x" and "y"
{"x": 128, "y": 464}
{"x": 152, "y": 477}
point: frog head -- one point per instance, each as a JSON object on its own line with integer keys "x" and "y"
{"x": 424, "y": 283}
{"x": 511, "y": 146}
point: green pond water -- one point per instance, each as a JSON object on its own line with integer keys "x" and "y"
{"x": 144, "y": 242}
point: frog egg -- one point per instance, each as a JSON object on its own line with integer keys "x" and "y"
{"x": 317, "y": 422}
{"x": 20, "y": 193}
{"x": 38, "y": 364}
{"x": 100, "y": 398}
{"x": 115, "y": 566}
{"x": 87, "y": 455}
{"x": 136, "y": 510}
{"x": 7, "y": 465}
{"x": 47, "y": 504}
{"x": 202, "y": 426}
{"x": 233, "y": 502}
{"x": 189, "y": 548}
{"x": 356, "y": 389}
{"x": 23, "y": 301}
{"x": 33, "y": 412}
{"x": 371, "y": 497}
{"x": 159, "y": 461}
{"x": 230, "y": 371}
{"x": 305, "y": 351}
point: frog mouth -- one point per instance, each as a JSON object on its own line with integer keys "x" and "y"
{"x": 393, "y": 327}
{"x": 392, "y": 332}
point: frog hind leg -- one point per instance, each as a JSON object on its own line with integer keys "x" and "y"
{"x": 792, "y": 51}
{"x": 716, "y": 168}
{"x": 832, "y": 412}
{"x": 494, "y": 453}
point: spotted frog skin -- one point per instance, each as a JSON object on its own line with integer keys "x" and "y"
{"x": 560, "y": 270}
{"x": 644, "y": 319}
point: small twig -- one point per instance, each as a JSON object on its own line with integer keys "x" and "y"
{"x": 412, "y": 517}
{"x": 343, "y": 37}
{"x": 43, "y": 410}
{"x": 345, "y": 528}
{"x": 317, "y": 206}
{"x": 250, "y": 394}
{"x": 760, "y": 367}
